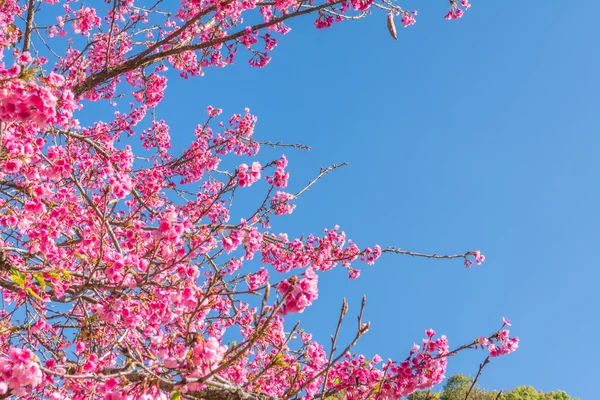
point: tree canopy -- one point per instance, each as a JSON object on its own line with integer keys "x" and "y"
{"x": 123, "y": 274}
{"x": 457, "y": 387}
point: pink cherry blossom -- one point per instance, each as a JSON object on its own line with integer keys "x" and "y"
{"x": 248, "y": 175}
{"x": 19, "y": 371}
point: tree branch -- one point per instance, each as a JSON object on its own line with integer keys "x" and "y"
{"x": 29, "y": 25}
{"x": 483, "y": 364}
{"x": 145, "y": 59}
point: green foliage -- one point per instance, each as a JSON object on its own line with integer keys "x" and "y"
{"x": 529, "y": 393}
{"x": 457, "y": 387}
{"x": 558, "y": 395}
{"x": 18, "y": 277}
{"x": 523, "y": 393}
{"x": 419, "y": 395}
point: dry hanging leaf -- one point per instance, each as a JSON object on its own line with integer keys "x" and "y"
{"x": 391, "y": 26}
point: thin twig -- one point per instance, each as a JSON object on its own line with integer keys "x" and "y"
{"x": 483, "y": 364}
{"x": 334, "y": 338}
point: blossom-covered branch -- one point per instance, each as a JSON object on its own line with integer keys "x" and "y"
{"x": 123, "y": 273}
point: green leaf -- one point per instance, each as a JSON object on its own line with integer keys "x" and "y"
{"x": 28, "y": 74}
{"x": 33, "y": 293}
{"x": 176, "y": 395}
{"x": 41, "y": 281}
{"x": 18, "y": 277}
{"x": 279, "y": 361}
{"x": 54, "y": 275}
{"x": 65, "y": 274}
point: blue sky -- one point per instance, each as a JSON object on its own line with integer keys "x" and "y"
{"x": 481, "y": 133}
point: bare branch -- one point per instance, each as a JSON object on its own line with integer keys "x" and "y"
{"x": 29, "y": 25}
{"x": 397, "y": 250}
{"x": 483, "y": 364}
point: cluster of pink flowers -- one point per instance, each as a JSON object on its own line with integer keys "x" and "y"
{"x": 258, "y": 279}
{"x": 248, "y": 175}
{"x": 455, "y": 11}
{"x": 24, "y": 102}
{"x": 207, "y": 354}
{"x": 9, "y": 10}
{"x": 324, "y": 21}
{"x": 19, "y": 372}
{"x": 284, "y": 4}
{"x": 157, "y": 137}
{"x": 281, "y": 203}
{"x": 504, "y": 345}
{"x": 153, "y": 91}
{"x": 213, "y": 112}
{"x": 280, "y": 177}
{"x": 252, "y": 242}
{"x": 249, "y": 39}
{"x": 85, "y": 20}
{"x": 259, "y": 59}
{"x": 233, "y": 240}
{"x": 322, "y": 253}
{"x": 408, "y": 19}
{"x": 300, "y": 292}
{"x": 479, "y": 259}
{"x": 501, "y": 343}
{"x": 361, "y": 5}
{"x": 424, "y": 367}
{"x": 371, "y": 255}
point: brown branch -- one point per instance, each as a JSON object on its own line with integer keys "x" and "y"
{"x": 226, "y": 391}
{"x": 483, "y": 364}
{"x": 396, "y": 250}
{"x": 334, "y": 338}
{"x": 145, "y": 59}
{"x": 110, "y": 34}
{"x": 322, "y": 173}
{"x": 296, "y": 146}
{"x": 29, "y": 25}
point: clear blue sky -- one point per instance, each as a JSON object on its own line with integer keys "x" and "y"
{"x": 481, "y": 133}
